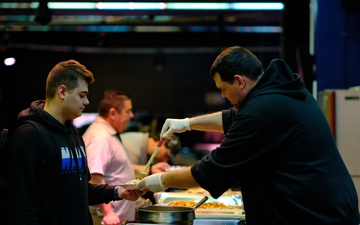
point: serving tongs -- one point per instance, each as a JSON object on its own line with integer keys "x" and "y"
{"x": 140, "y": 174}
{"x": 199, "y": 203}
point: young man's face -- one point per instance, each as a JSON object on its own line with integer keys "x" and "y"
{"x": 76, "y": 101}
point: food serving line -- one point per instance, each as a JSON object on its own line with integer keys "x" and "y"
{"x": 186, "y": 208}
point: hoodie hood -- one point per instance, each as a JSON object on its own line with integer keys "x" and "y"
{"x": 278, "y": 79}
{"x": 36, "y": 112}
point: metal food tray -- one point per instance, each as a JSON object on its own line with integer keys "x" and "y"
{"x": 163, "y": 198}
{"x": 230, "y": 200}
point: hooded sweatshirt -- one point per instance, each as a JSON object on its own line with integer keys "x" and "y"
{"x": 279, "y": 148}
{"x": 49, "y": 179}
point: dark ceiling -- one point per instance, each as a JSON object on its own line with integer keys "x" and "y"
{"x": 122, "y": 28}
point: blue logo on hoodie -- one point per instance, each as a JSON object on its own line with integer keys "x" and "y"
{"x": 71, "y": 163}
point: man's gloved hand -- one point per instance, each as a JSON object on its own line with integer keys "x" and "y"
{"x": 152, "y": 183}
{"x": 174, "y": 126}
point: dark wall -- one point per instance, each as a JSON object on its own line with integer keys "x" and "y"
{"x": 295, "y": 41}
{"x": 178, "y": 89}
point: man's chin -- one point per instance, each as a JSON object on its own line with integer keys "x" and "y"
{"x": 79, "y": 114}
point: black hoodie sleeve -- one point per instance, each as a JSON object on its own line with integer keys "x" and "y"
{"x": 227, "y": 118}
{"x": 100, "y": 193}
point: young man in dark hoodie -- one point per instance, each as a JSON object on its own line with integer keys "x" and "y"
{"x": 277, "y": 145}
{"x": 49, "y": 179}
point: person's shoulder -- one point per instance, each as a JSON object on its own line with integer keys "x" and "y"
{"x": 27, "y": 130}
{"x": 27, "y": 126}
{"x": 95, "y": 130}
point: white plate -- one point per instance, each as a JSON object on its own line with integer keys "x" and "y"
{"x": 129, "y": 185}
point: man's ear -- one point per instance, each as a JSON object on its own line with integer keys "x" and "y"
{"x": 62, "y": 91}
{"x": 241, "y": 81}
{"x": 112, "y": 111}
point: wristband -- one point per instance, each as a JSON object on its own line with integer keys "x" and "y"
{"x": 116, "y": 193}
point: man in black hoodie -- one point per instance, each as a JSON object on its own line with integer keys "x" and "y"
{"x": 49, "y": 179}
{"x": 277, "y": 146}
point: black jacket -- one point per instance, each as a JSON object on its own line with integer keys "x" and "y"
{"x": 49, "y": 178}
{"x": 279, "y": 147}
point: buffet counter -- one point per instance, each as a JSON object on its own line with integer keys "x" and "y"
{"x": 225, "y": 210}
{"x": 228, "y": 206}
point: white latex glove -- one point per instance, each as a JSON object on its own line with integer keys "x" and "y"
{"x": 152, "y": 183}
{"x": 174, "y": 126}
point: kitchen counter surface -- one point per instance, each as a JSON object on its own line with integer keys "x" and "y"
{"x": 218, "y": 222}
{"x": 201, "y": 222}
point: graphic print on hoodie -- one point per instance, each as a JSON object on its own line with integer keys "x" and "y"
{"x": 71, "y": 163}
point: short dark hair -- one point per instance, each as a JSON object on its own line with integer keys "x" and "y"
{"x": 67, "y": 73}
{"x": 112, "y": 99}
{"x": 236, "y": 60}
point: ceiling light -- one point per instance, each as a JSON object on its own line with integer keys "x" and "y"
{"x": 150, "y": 5}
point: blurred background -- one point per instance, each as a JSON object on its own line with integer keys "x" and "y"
{"x": 161, "y": 52}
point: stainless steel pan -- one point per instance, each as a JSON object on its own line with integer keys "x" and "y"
{"x": 168, "y": 214}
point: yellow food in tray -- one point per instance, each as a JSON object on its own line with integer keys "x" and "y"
{"x": 206, "y": 205}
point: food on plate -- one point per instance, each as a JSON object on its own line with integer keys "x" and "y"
{"x": 130, "y": 184}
